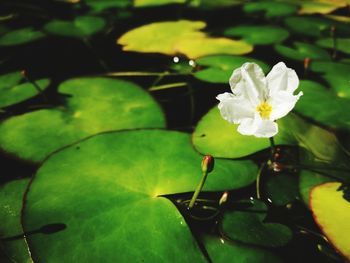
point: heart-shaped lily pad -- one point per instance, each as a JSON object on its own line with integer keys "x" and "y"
{"x": 210, "y": 5}
{"x": 329, "y": 109}
{"x": 315, "y": 26}
{"x": 11, "y": 198}
{"x": 270, "y": 8}
{"x": 336, "y": 74}
{"x": 12, "y": 91}
{"x": 249, "y": 227}
{"x": 108, "y": 191}
{"x": 213, "y": 135}
{"x": 300, "y": 51}
{"x": 341, "y": 44}
{"x": 179, "y": 37}
{"x": 332, "y": 213}
{"x": 94, "y": 105}
{"x": 20, "y": 36}
{"x": 218, "y": 69}
{"x": 258, "y": 35}
{"x": 222, "y": 250}
{"x": 81, "y": 26}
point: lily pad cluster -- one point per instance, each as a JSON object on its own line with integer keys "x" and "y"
{"x": 100, "y": 166}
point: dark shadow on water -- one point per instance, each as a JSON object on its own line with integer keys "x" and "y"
{"x": 46, "y": 229}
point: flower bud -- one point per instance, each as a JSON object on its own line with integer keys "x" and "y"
{"x": 307, "y": 62}
{"x": 223, "y": 198}
{"x": 207, "y": 164}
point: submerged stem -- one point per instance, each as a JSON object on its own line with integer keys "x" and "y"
{"x": 258, "y": 179}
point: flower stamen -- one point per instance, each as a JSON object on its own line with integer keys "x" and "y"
{"x": 264, "y": 110}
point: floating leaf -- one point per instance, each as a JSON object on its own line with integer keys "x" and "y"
{"x": 222, "y": 251}
{"x": 308, "y": 180}
{"x": 179, "y": 37}
{"x": 11, "y": 197}
{"x": 12, "y": 92}
{"x": 94, "y": 105}
{"x": 342, "y": 44}
{"x": 209, "y": 4}
{"x": 300, "y": 51}
{"x": 218, "y": 69}
{"x": 329, "y": 108}
{"x": 20, "y": 36}
{"x": 250, "y": 227}
{"x": 110, "y": 187}
{"x": 82, "y": 26}
{"x": 270, "y": 8}
{"x": 332, "y": 213}
{"x": 336, "y": 74}
{"x": 146, "y": 3}
{"x": 258, "y": 35}
{"x": 315, "y": 26}
{"x": 312, "y": 7}
{"x": 101, "y": 5}
{"x": 213, "y": 135}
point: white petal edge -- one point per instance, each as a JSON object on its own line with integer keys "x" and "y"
{"x": 249, "y": 81}
{"x": 249, "y": 126}
{"x": 282, "y": 78}
{"x": 282, "y": 103}
{"x": 233, "y": 109}
{"x": 266, "y": 129}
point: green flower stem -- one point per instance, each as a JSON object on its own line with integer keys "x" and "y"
{"x": 258, "y": 180}
{"x": 272, "y": 147}
{"x": 198, "y": 189}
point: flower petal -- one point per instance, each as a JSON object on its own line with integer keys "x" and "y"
{"x": 248, "y": 126}
{"x": 266, "y": 129}
{"x": 282, "y": 78}
{"x": 234, "y": 109}
{"x": 249, "y": 82}
{"x": 282, "y": 102}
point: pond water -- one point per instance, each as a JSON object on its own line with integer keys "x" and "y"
{"x": 108, "y": 107}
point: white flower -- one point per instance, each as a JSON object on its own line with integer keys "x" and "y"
{"x": 257, "y": 101}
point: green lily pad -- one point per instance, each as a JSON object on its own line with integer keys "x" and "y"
{"x": 209, "y": 4}
{"x": 13, "y": 92}
{"x": 319, "y": 7}
{"x": 308, "y": 180}
{"x": 329, "y": 109}
{"x": 221, "y": 251}
{"x": 95, "y": 105}
{"x": 258, "y": 35}
{"x": 213, "y": 135}
{"x": 109, "y": 188}
{"x": 146, "y": 3}
{"x": 249, "y": 227}
{"x": 179, "y": 37}
{"x": 218, "y": 69}
{"x": 11, "y": 197}
{"x": 315, "y": 26}
{"x": 20, "y": 36}
{"x": 342, "y": 44}
{"x": 332, "y": 213}
{"x": 270, "y": 8}
{"x": 98, "y": 6}
{"x": 336, "y": 74}
{"x": 300, "y": 51}
{"x": 282, "y": 188}
{"x": 81, "y": 26}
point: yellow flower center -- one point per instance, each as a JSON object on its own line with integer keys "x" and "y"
{"x": 264, "y": 109}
